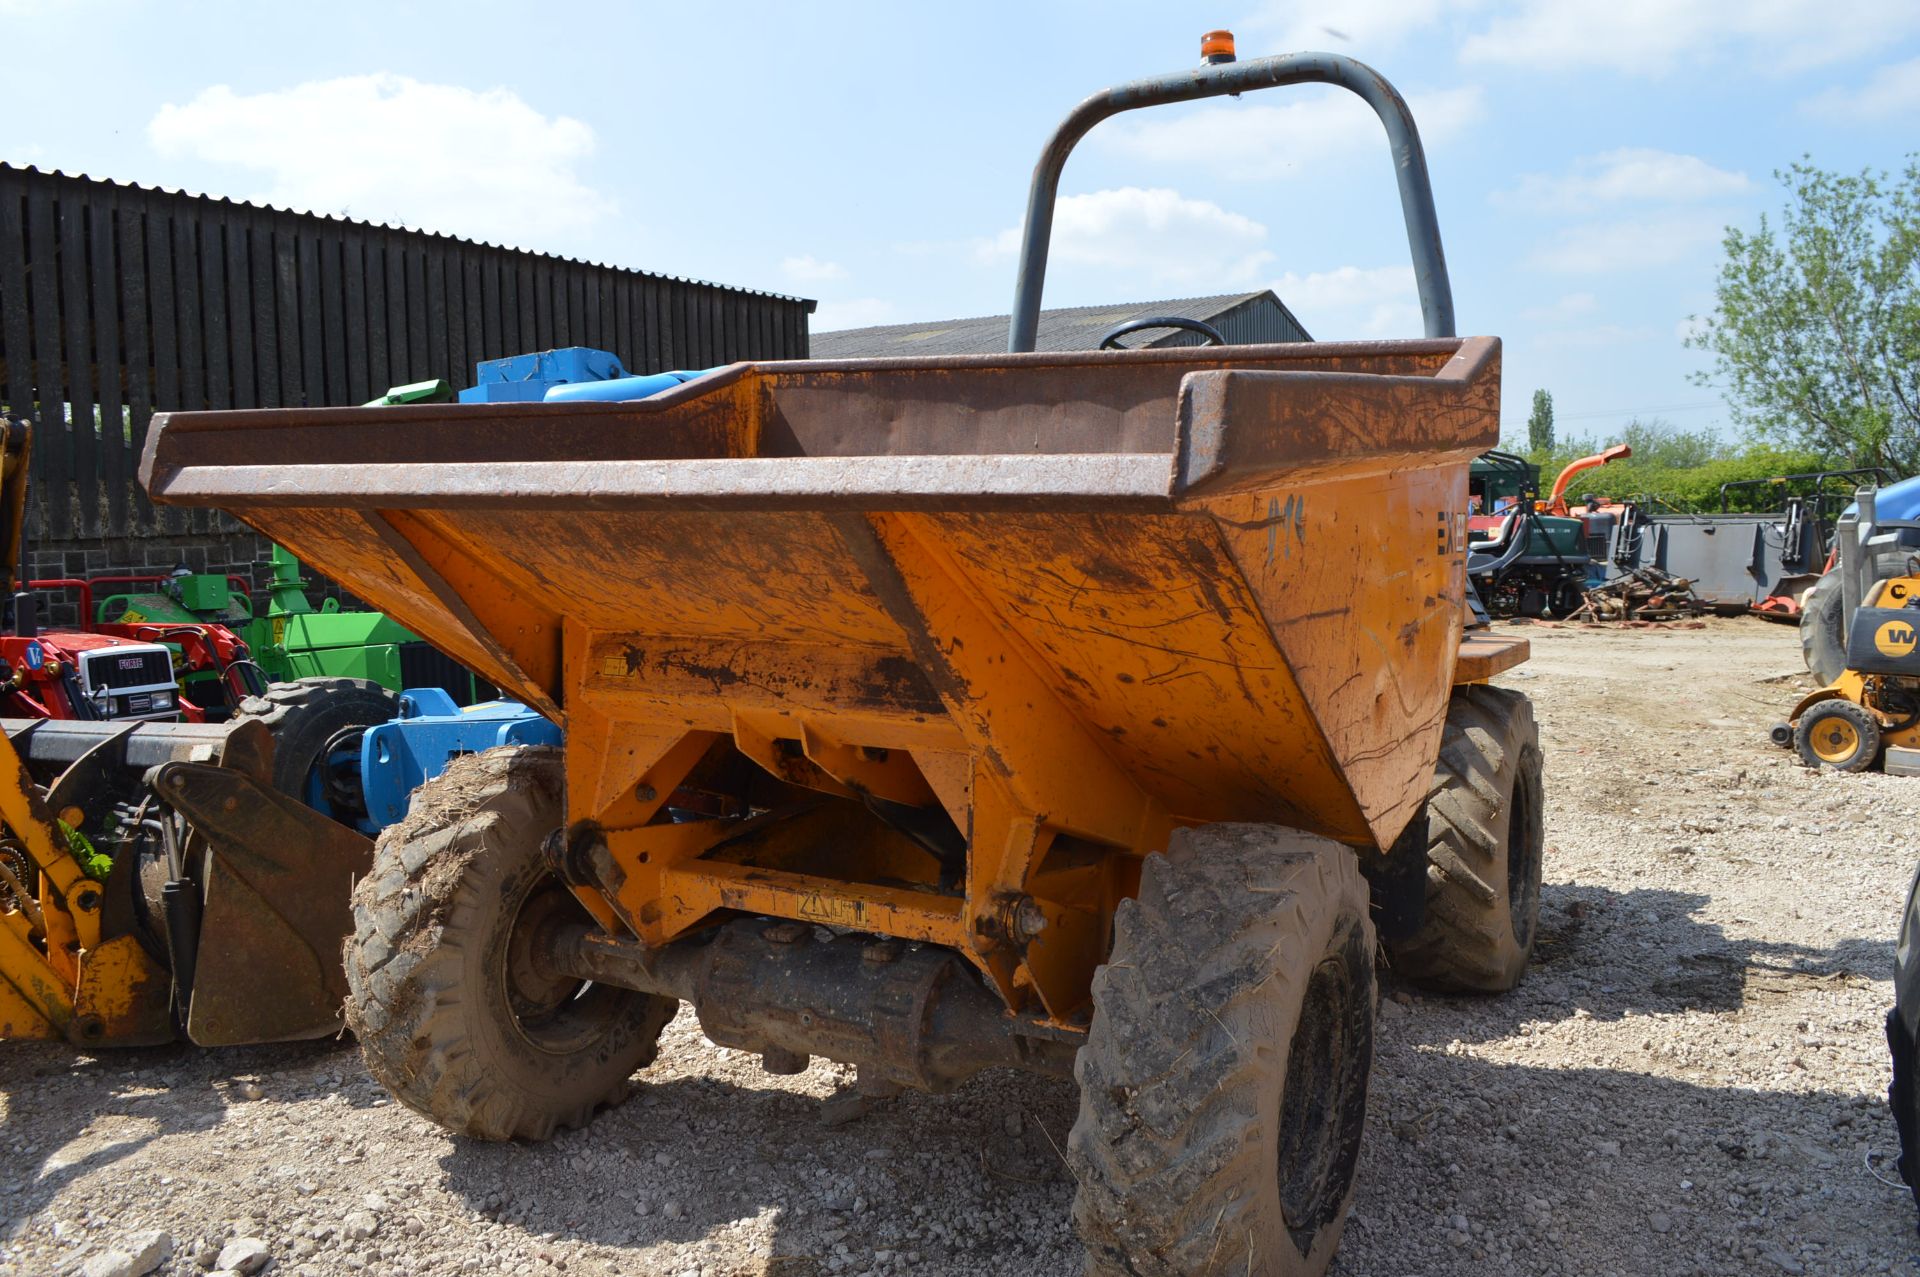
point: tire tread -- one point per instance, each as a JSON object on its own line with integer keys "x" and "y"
{"x": 1163, "y": 1147}
{"x": 408, "y": 1005}
{"x": 1467, "y": 942}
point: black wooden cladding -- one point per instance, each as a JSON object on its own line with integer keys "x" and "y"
{"x": 120, "y": 301}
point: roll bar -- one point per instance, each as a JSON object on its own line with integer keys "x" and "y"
{"x": 1409, "y": 164}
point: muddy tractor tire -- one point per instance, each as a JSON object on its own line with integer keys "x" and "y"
{"x": 1822, "y": 633}
{"x": 317, "y": 724}
{"x": 453, "y": 1015}
{"x": 1232, "y": 1035}
{"x": 1485, "y": 841}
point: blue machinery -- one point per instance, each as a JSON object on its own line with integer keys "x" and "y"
{"x": 396, "y": 758}
{"x": 575, "y": 374}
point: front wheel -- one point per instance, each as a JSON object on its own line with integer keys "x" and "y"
{"x": 1223, "y": 1084}
{"x": 1837, "y": 734}
{"x": 455, "y": 1016}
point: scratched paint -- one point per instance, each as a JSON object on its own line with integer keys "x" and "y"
{"x": 1368, "y": 622}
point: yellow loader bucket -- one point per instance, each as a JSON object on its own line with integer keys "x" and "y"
{"x": 1058, "y": 604}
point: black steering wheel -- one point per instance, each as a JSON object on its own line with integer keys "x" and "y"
{"x": 1111, "y": 341}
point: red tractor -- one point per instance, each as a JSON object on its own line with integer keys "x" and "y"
{"x": 72, "y": 674}
{"x": 213, "y": 666}
{"x": 128, "y": 670}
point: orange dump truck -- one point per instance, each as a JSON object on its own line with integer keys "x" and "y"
{"x": 1073, "y": 712}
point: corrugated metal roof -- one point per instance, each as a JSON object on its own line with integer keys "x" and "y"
{"x": 809, "y": 302}
{"x": 1069, "y": 328}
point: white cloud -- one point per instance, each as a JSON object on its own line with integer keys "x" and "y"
{"x": 1262, "y": 142}
{"x": 1156, "y": 237}
{"x": 1631, "y": 243}
{"x": 385, "y": 147}
{"x": 808, "y": 269}
{"x": 857, "y": 312}
{"x": 1891, "y": 91}
{"x": 1593, "y": 337}
{"x": 1344, "y": 26}
{"x": 1354, "y": 301}
{"x": 1653, "y": 37}
{"x": 1569, "y": 306}
{"x": 1636, "y": 174}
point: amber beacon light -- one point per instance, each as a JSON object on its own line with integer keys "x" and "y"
{"x": 1217, "y": 47}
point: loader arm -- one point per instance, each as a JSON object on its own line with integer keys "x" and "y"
{"x": 241, "y": 941}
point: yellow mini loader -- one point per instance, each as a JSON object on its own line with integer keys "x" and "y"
{"x": 1053, "y": 711}
{"x": 1870, "y": 714}
{"x": 156, "y": 879}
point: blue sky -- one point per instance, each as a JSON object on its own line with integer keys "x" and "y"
{"x": 1586, "y": 154}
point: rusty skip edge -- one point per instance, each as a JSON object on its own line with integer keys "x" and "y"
{"x": 1234, "y": 429}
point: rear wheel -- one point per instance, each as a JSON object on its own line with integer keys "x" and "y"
{"x": 1839, "y": 735}
{"x": 1823, "y": 639}
{"x": 1223, "y": 1085}
{"x": 455, "y": 1014}
{"x": 1485, "y": 844}
{"x": 317, "y": 724}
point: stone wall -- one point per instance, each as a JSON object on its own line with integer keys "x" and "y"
{"x": 243, "y": 554}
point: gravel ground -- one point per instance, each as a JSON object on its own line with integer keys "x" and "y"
{"x": 1691, "y": 1080}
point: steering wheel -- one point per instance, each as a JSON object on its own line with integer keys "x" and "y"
{"x": 1111, "y": 340}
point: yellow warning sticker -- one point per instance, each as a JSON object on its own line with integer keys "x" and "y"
{"x": 832, "y": 910}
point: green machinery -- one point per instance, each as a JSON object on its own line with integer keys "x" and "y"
{"x": 1528, "y": 556}
{"x": 289, "y": 638}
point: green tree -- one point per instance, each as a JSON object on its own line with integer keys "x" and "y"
{"x": 1660, "y": 445}
{"x": 1540, "y": 422}
{"x": 1815, "y": 335}
{"x": 1683, "y": 469}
